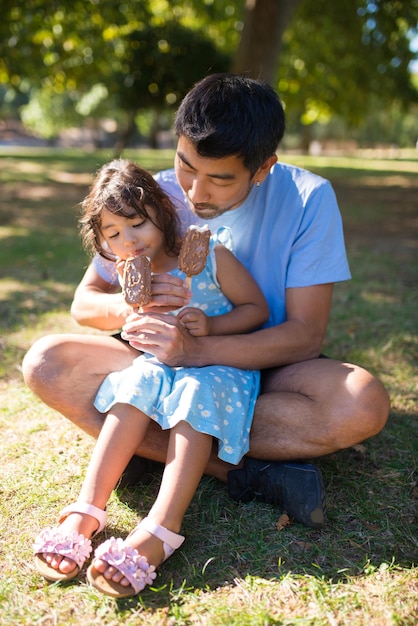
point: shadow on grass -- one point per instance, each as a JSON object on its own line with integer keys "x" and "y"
{"x": 370, "y": 489}
{"x": 371, "y": 520}
{"x": 39, "y": 271}
{"x": 41, "y": 263}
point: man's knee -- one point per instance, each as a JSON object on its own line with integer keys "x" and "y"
{"x": 364, "y": 410}
{"x": 355, "y": 410}
{"x": 373, "y": 405}
{"x": 39, "y": 363}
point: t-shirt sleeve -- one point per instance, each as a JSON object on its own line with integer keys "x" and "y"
{"x": 318, "y": 254}
{"x": 168, "y": 183}
{"x": 222, "y": 236}
{"x": 105, "y": 269}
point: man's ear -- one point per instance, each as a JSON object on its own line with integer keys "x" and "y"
{"x": 264, "y": 169}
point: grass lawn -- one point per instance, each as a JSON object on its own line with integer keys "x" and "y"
{"x": 235, "y": 568}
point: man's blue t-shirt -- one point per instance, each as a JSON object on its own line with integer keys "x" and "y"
{"x": 287, "y": 232}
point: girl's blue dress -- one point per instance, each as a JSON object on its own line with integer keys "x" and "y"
{"x": 216, "y": 399}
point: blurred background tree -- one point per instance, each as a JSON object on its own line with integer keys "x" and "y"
{"x": 341, "y": 68}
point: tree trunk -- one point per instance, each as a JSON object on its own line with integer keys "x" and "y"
{"x": 259, "y": 50}
{"x": 154, "y": 130}
{"x": 125, "y": 134}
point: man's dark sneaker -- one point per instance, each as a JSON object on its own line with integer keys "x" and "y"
{"x": 136, "y": 471}
{"x": 296, "y": 487}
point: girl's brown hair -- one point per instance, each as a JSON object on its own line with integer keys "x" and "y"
{"x": 118, "y": 187}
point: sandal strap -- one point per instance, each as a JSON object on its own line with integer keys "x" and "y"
{"x": 87, "y": 509}
{"x": 171, "y": 541}
{"x": 127, "y": 561}
{"x": 73, "y": 545}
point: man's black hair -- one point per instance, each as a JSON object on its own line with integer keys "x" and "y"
{"x": 232, "y": 114}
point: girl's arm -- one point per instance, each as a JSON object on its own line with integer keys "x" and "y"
{"x": 251, "y": 309}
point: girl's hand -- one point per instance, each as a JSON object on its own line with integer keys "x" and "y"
{"x": 196, "y": 322}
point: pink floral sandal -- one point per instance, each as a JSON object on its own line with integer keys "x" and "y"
{"x": 129, "y": 562}
{"x": 73, "y": 545}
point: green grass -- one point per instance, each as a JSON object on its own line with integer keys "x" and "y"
{"x": 235, "y": 568}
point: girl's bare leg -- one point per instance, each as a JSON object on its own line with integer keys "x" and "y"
{"x": 123, "y": 429}
{"x": 187, "y": 456}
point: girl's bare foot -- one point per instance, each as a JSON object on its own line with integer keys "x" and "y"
{"x": 79, "y": 522}
{"x": 124, "y": 568}
{"x": 148, "y": 545}
{"x": 61, "y": 551}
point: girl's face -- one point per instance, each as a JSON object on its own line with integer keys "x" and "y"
{"x": 134, "y": 236}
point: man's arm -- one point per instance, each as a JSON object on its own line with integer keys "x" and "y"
{"x": 299, "y": 338}
{"x": 98, "y": 303}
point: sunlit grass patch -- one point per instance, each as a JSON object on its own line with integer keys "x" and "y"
{"x": 236, "y": 568}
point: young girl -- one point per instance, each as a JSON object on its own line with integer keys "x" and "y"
{"x": 126, "y": 214}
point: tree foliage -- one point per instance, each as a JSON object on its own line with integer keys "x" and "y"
{"x": 336, "y": 54}
{"x": 98, "y": 57}
{"x": 72, "y": 59}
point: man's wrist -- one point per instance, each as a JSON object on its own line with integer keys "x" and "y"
{"x": 199, "y": 356}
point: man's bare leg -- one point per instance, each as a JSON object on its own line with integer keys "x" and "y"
{"x": 65, "y": 372}
{"x": 306, "y": 410}
{"x": 310, "y": 409}
{"x": 316, "y": 407}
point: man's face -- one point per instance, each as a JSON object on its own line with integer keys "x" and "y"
{"x": 212, "y": 186}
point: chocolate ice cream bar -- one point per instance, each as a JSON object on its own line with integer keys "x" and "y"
{"x": 194, "y": 250}
{"x": 137, "y": 281}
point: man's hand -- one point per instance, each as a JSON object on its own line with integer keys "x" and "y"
{"x": 169, "y": 293}
{"x": 195, "y": 321}
{"x": 162, "y": 335}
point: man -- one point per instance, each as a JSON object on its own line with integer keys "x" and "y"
{"x": 287, "y": 230}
